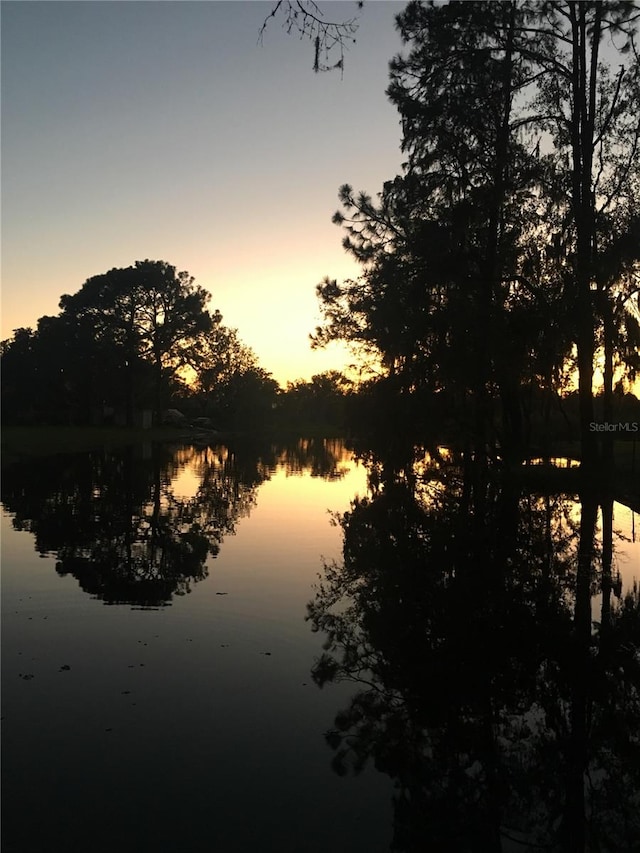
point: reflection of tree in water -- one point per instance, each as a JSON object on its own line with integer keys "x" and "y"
{"x": 114, "y": 522}
{"x": 327, "y": 458}
{"x": 464, "y": 615}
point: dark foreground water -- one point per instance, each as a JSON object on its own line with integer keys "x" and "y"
{"x": 165, "y": 635}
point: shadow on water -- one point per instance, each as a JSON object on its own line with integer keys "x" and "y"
{"x": 496, "y": 659}
{"x": 115, "y": 522}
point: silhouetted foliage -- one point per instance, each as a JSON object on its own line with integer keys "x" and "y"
{"x": 131, "y": 339}
{"x": 510, "y": 238}
{"x": 323, "y": 402}
{"x": 307, "y": 19}
{"x": 149, "y": 312}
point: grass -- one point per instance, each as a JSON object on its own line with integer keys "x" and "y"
{"x": 21, "y": 442}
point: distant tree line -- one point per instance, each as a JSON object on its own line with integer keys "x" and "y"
{"x": 141, "y": 338}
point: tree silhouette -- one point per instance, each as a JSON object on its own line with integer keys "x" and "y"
{"x": 151, "y": 312}
{"x": 321, "y": 401}
{"x": 592, "y": 116}
{"x": 480, "y": 262}
{"x": 132, "y": 338}
{"x": 220, "y": 355}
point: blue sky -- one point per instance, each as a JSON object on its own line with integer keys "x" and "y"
{"x": 163, "y": 130}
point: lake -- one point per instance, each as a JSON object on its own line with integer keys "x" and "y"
{"x": 170, "y": 613}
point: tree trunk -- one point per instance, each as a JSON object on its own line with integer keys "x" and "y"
{"x": 158, "y": 389}
{"x": 607, "y": 409}
{"x": 498, "y": 337}
{"x": 129, "y": 398}
{"x": 582, "y": 143}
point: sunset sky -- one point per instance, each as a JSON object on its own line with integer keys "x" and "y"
{"x": 163, "y": 130}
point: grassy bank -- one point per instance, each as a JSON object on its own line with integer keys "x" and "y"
{"x": 21, "y": 442}
{"x": 28, "y": 442}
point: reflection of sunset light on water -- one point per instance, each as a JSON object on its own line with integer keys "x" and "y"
{"x": 290, "y": 510}
{"x": 626, "y": 545}
{"x": 433, "y": 486}
{"x": 186, "y": 484}
{"x": 192, "y": 462}
{"x": 555, "y": 462}
{"x": 292, "y": 492}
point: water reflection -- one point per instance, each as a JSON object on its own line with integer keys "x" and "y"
{"x": 502, "y": 702}
{"x": 206, "y": 706}
{"x": 137, "y": 526}
{"x": 321, "y": 457}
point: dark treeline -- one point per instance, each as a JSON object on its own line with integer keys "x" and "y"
{"x": 499, "y": 269}
{"x": 140, "y": 339}
{"x": 503, "y": 262}
{"x": 132, "y": 339}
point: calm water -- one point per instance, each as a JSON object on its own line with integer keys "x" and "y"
{"x": 189, "y": 727}
{"x": 161, "y": 671}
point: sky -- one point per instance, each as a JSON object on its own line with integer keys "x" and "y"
{"x": 164, "y": 130}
